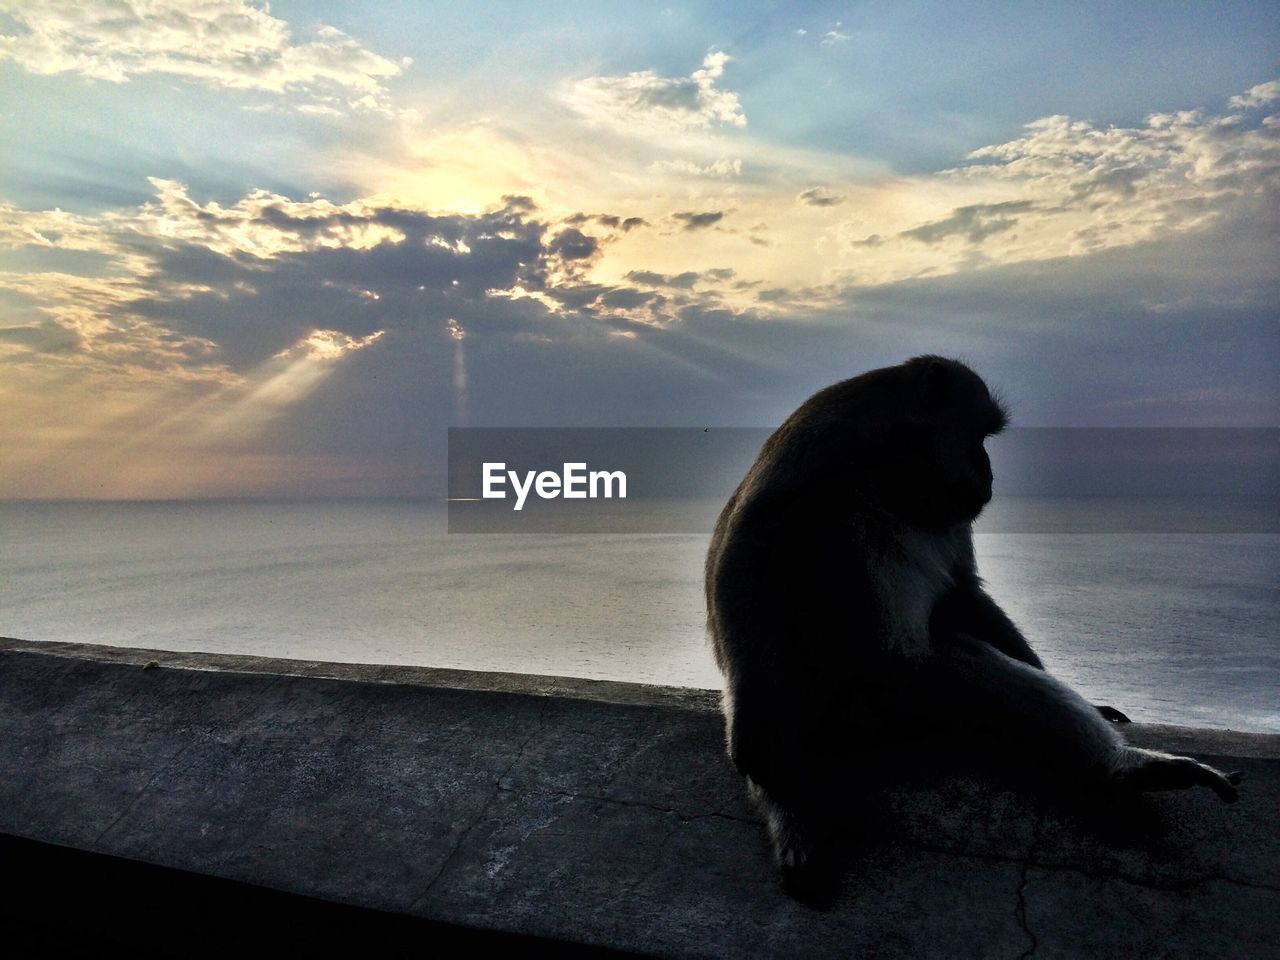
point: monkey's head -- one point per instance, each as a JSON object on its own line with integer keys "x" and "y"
{"x": 938, "y": 473}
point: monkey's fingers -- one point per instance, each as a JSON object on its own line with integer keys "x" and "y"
{"x": 1179, "y": 773}
{"x": 1112, "y": 714}
{"x": 1224, "y": 785}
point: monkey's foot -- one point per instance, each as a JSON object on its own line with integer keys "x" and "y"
{"x": 807, "y": 874}
{"x": 802, "y": 853}
{"x": 1149, "y": 770}
{"x": 1111, "y": 713}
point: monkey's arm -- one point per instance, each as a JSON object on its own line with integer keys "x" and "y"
{"x": 969, "y": 609}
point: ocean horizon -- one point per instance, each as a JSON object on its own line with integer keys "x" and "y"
{"x": 1172, "y": 624}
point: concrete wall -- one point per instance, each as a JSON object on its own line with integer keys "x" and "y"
{"x": 600, "y": 814}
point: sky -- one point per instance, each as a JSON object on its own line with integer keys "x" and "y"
{"x": 252, "y": 250}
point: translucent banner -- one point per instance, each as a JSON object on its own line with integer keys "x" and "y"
{"x": 676, "y": 479}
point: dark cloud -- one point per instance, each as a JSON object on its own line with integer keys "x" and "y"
{"x": 628, "y": 298}
{"x": 612, "y": 221}
{"x": 975, "y": 223}
{"x": 445, "y": 266}
{"x": 573, "y": 244}
{"x": 699, "y": 221}
{"x": 820, "y": 197}
{"x": 682, "y": 281}
{"x": 519, "y": 204}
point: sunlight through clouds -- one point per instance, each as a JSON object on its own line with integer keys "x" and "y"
{"x": 262, "y": 224}
{"x": 284, "y": 380}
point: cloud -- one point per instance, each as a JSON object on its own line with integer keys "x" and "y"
{"x": 222, "y": 43}
{"x": 205, "y": 291}
{"x": 650, "y": 278}
{"x": 328, "y": 345}
{"x": 683, "y": 281}
{"x": 975, "y": 223}
{"x": 1069, "y": 187}
{"x": 78, "y": 323}
{"x": 1173, "y": 157}
{"x": 721, "y": 169}
{"x": 612, "y": 221}
{"x": 646, "y": 100}
{"x": 699, "y": 221}
{"x": 1258, "y": 96}
{"x": 573, "y": 244}
{"x": 819, "y": 197}
{"x": 264, "y": 225}
{"x": 874, "y": 240}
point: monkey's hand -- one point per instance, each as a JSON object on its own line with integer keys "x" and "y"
{"x": 1112, "y": 714}
{"x": 1150, "y": 770}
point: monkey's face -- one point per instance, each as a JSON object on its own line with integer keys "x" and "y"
{"x": 962, "y": 474}
{"x": 944, "y": 475}
{"x": 943, "y": 478}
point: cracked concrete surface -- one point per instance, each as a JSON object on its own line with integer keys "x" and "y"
{"x": 606, "y": 814}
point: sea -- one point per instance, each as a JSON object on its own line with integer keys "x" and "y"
{"x": 1170, "y": 627}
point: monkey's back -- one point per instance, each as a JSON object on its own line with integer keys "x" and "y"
{"x": 791, "y": 578}
{"x": 794, "y": 568}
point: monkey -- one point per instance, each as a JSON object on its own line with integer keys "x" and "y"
{"x": 844, "y": 602}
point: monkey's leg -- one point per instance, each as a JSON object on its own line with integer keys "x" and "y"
{"x": 785, "y": 780}
{"x": 1053, "y": 718}
{"x": 802, "y": 833}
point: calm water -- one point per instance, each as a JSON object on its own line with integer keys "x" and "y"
{"x": 1179, "y": 628}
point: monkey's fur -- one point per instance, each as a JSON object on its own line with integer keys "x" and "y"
{"x": 843, "y": 597}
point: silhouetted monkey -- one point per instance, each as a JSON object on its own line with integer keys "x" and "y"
{"x": 843, "y": 596}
